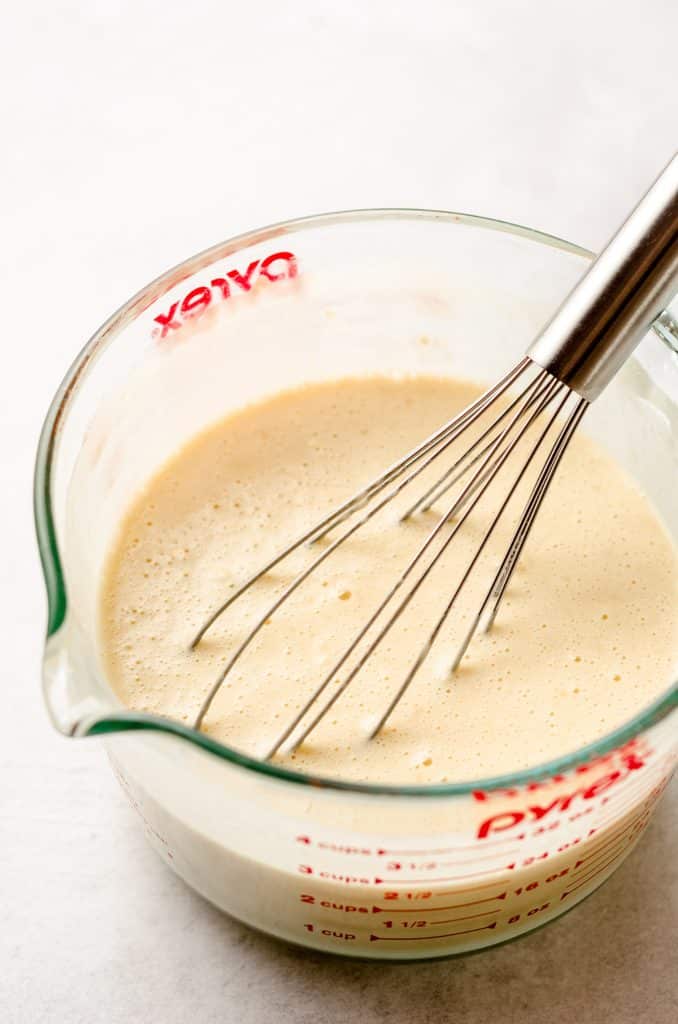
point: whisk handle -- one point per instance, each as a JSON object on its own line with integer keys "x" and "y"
{"x": 626, "y": 288}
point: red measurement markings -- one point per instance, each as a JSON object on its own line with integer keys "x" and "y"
{"x": 552, "y": 826}
{"x": 605, "y": 838}
{"x": 447, "y": 878}
{"x": 515, "y": 918}
{"x": 612, "y": 820}
{"x": 446, "y": 892}
{"x": 421, "y": 938}
{"x": 642, "y": 806}
{"x": 345, "y": 848}
{"x": 425, "y": 923}
{"x": 329, "y": 933}
{"x": 330, "y": 876}
{"x": 351, "y": 848}
{"x": 344, "y": 908}
{"x": 637, "y": 825}
{"x": 449, "y": 849}
{"x": 621, "y": 834}
{"x": 619, "y": 809}
{"x": 433, "y": 865}
{"x": 602, "y": 856}
{"x": 651, "y": 785}
{"x": 451, "y": 906}
{"x": 593, "y": 874}
{"x": 634, "y": 805}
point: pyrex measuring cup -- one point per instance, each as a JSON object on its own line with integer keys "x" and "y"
{"x": 373, "y": 870}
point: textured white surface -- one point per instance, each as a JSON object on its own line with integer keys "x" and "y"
{"x": 135, "y": 133}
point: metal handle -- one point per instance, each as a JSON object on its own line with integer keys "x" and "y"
{"x": 626, "y": 288}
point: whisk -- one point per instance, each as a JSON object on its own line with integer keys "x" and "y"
{"x": 523, "y": 423}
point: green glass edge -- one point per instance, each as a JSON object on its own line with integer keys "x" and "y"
{"x": 46, "y": 534}
{"x": 131, "y": 721}
{"x": 49, "y": 550}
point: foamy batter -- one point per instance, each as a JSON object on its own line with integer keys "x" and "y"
{"x": 581, "y": 643}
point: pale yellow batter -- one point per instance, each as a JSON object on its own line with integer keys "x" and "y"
{"x": 586, "y": 636}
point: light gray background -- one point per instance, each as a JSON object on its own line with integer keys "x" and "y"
{"x": 134, "y": 134}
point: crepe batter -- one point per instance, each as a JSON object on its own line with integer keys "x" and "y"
{"x": 583, "y": 641}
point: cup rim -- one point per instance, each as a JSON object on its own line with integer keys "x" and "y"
{"x": 50, "y": 557}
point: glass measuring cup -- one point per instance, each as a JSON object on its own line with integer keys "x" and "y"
{"x": 380, "y": 871}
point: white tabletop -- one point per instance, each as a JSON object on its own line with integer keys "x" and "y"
{"x": 135, "y": 133}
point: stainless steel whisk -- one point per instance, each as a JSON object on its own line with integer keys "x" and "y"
{"x": 573, "y": 359}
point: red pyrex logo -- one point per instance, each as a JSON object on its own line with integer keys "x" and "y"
{"x": 278, "y": 266}
{"x": 622, "y": 762}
